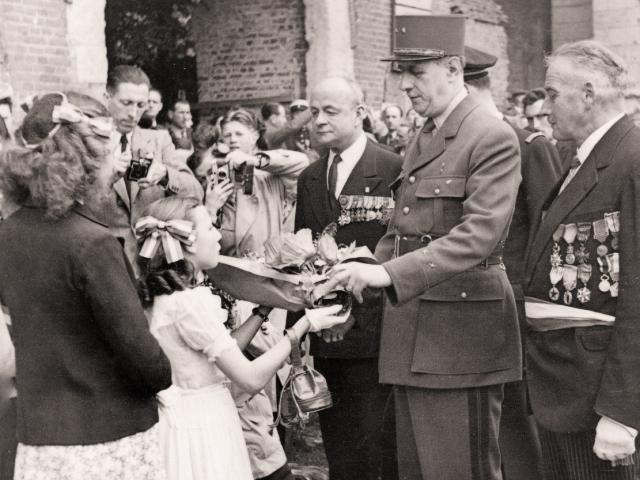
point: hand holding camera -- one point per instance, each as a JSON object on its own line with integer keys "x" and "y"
{"x": 217, "y": 195}
{"x": 144, "y": 170}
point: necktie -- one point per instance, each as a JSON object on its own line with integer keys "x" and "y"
{"x": 123, "y": 143}
{"x": 333, "y": 175}
{"x": 426, "y": 134}
{"x": 573, "y": 170}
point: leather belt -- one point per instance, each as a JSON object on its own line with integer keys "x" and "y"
{"x": 408, "y": 243}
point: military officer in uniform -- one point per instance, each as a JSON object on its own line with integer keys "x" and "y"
{"x": 582, "y": 277}
{"x": 349, "y": 186}
{"x": 450, "y": 337}
{"x": 540, "y": 169}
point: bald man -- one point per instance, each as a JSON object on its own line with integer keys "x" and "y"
{"x": 350, "y": 186}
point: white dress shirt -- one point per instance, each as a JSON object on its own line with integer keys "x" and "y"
{"x": 350, "y": 157}
{"x": 585, "y": 149}
{"x": 440, "y": 119}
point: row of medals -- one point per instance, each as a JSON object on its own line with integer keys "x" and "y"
{"x": 364, "y": 208}
{"x": 576, "y": 266}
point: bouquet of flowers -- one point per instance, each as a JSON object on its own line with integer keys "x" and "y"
{"x": 293, "y": 273}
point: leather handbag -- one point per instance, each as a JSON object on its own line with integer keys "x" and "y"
{"x": 305, "y": 391}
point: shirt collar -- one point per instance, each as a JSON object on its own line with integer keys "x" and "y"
{"x": 353, "y": 153}
{"x": 440, "y": 119}
{"x": 592, "y": 140}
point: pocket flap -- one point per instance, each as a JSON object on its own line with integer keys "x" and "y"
{"x": 441, "y": 187}
{"x": 472, "y": 286}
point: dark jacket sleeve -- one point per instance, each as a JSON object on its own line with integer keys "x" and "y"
{"x": 619, "y": 393}
{"x": 109, "y": 289}
{"x": 540, "y": 173}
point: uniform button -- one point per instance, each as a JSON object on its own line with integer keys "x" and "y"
{"x": 412, "y": 179}
{"x": 437, "y": 191}
{"x": 463, "y": 294}
{"x": 406, "y": 210}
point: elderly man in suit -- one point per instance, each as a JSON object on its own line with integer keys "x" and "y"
{"x": 450, "y": 336}
{"x": 584, "y": 374}
{"x": 127, "y": 95}
{"x": 540, "y": 169}
{"x": 349, "y": 186}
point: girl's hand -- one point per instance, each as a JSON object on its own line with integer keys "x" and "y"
{"x": 326, "y": 317}
{"x": 217, "y": 196}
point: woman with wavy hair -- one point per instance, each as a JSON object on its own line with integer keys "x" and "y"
{"x": 87, "y": 367}
{"x": 200, "y": 430}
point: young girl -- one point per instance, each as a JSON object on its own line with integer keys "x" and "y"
{"x": 200, "y": 432}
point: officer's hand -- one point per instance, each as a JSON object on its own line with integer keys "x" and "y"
{"x": 356, "y": 276}
{"x": 614, "y": 441}
{"x": 157, "y": 173}
{"x": 337, "y": 333}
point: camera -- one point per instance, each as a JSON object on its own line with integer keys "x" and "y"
{"x": 139, "y": 166}
{"x": 244, "y": 176}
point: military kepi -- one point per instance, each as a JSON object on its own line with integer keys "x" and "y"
{"x": 427, "y": 37}
{"x": 477, "y": 63}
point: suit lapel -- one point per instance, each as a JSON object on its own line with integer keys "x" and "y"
{"x": 578, "y": 188}
{"x": 318, "y": 193}
{"x": 434, "y": 147}
{"x": 363, "y": 179}
{"x": 121, "y": 191}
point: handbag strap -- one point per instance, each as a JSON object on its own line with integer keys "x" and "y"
{"x": 296, "y": 358}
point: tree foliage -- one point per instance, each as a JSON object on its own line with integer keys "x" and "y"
{"x": 154, "y": 34}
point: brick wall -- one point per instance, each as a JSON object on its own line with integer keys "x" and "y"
{"x": 371, "y": 41}
{"x": 249, "y": 50}
{"x": 33, "y": 50}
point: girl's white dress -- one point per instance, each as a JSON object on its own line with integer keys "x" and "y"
{"x": 200, "y": 433}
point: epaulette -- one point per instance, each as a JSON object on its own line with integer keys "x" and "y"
{"x": 533, "y": 136}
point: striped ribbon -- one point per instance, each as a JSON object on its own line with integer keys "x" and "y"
{"x": 171, "y": 234}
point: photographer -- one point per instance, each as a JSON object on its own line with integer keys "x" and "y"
{"x": 146, "y": 167}
{"x": 261, "y": 204}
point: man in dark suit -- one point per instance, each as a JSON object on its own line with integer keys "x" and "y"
{"x": 540, "y": 169}
{"x": 450, "y": 336}
{"x": 350, "y": 186}
{"x": 584, "y": 379}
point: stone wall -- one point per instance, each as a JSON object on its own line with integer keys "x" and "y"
{"x": 615, "y": 23}
{"x": 249, "y": 51}
{"x": 371, "y": 41}
{"x": 49, "y": 45}
{"x": 571, "y": 20}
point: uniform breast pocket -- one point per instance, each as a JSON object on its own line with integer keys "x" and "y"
{"x": 462, "y": 326}
{"x": 442, "y": 197}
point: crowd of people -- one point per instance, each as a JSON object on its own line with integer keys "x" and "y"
{"x": 494, "y": 337}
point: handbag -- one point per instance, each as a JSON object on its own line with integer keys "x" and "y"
{"x": 305, "y": 391}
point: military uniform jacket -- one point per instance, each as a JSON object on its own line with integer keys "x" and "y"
{"x": 574, "y": 373}
{"x": 451, "y": 323}
{"x": 371, "y": 177}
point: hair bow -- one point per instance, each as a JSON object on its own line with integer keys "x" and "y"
{"x": 172, "y": 234}
{"x": 66, "y": 113}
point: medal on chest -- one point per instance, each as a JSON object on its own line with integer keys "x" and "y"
{"x": 584, "y": 274}
{"x": 569, "y": 236}
{"x": 556, "y": 258}
{"x": 555, "y": 275}
{"x": 613, "y": 224}
{"x": 569, "y": 281}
